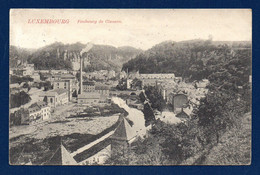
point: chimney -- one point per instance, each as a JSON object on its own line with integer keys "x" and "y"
{"x": 80, "y": 86}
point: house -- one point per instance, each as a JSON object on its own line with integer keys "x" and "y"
{"x": 24, "y": 70}
{"x": 157, "y": 76}
{"x": 88, "y": 86}
{"x": 89, "y": 98}
{"x": 154, "y": 79}
{"x": 64, "y": 84}
{"x": 34, "y": 112}
{"x": 102, "y": 90}
{"x": 38, "y": 110}
{"x": 45, "y": 110}
{"x": 56, "y": 97}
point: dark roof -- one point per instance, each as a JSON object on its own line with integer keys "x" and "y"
{"x": 67, "y": 76}
{"x": 37, "y": 106}
{"x": 124, "y": 131}
{"x": 182, "y": 114}
{"x": 92, "y": 151}
{"x": 34, "y": 108}
{"x": 41, "y": 104}
{"x": 61, "y": 157}
{"x": 89, "y": 83}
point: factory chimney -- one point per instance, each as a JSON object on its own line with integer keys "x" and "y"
{"x": 80, "y": 79}
{"x": 85, "y": 50}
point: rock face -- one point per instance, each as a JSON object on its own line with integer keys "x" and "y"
{"x": 62, "y": 56}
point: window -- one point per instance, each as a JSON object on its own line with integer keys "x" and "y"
{"x": 51, "y": 100}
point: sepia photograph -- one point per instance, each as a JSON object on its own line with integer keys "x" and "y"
{"x": 146, "y": 87}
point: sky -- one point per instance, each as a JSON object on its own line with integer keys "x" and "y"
{"x": 140, "y": 28}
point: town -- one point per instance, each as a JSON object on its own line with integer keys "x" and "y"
{"x": 144, "y": 87}
{"x": 66, "y": 97}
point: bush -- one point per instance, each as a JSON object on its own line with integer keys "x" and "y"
{"x": 19, "y": 99}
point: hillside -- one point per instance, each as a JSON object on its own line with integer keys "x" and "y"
{"x": 18, "y": 55}
{"x": 193, "y": 59}
{"x": 234, "y": 147}
{"x": 66, "y": 56}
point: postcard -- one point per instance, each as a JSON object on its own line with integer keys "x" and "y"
{"x": 130, "y": 87}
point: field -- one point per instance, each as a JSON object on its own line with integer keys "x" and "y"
{"x": 37, "y": 142}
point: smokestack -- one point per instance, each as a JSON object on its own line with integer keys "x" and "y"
{"x": 80, "y": 79}
{"x": 85, "y": 50}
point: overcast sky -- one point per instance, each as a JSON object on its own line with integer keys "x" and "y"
{"x": 138, "y": 28}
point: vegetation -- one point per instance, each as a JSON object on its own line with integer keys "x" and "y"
{"x": 155, "y": 98}
{"x": 19, "y": 99}
{"x": 217, "y": 118}
{"x": 15, "y": 79}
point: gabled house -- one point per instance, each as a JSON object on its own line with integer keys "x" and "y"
{"x": 56, "y": 97}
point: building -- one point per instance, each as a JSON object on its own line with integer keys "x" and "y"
{"x": 36, "y": 77}
{"x": 183, "y": 115}
{"x": 65, "y": 81}
{"x": 157, "y": 76}
{"x": 154, "y": 79}
{"x": 34, "y": 112}
{"x": 102, "y": 90}
{"x": 93, "y": 94}
{"x": 179, "y": 102}
{"x": 38, "y": 110}
{"x": 123, "y": 136}
{"x": 24, "y": 70}
{"x": 88, "y": 86}
{"x": 56, "y": 97}
{"x": 45, "y": 110}
{"x": 89, "y": 98}
{"x": 61, "y": 157}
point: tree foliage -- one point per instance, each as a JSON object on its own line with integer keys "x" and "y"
{"x": 19, "y": 99}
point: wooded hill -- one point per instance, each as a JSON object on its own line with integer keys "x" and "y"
{"x": 60, "y": 56}
{"x": 195, "y": 59}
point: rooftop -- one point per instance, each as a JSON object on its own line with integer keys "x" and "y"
{"x": 89, "y": 83}
{"x": 124, "y": 131}
{"x": 54, "y": 92}
{"x": 89, "y": 95}
{"x": 101, "y": 87}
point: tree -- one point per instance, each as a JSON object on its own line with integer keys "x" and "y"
{"x": 47, "y": 86}
{"x": 155, "y": 98}
{"x": 19, "y": 99}
{"x": 45, "y": 99}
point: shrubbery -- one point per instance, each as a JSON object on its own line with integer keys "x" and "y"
{"x": 18, "y": 99}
